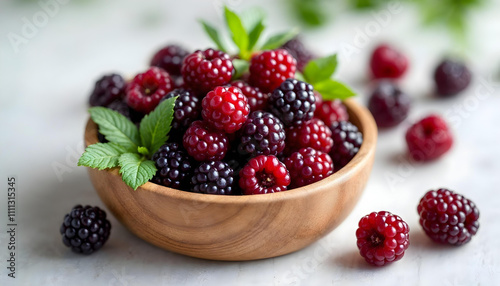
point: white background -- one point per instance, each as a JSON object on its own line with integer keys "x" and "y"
{"x": 44, "y": 88}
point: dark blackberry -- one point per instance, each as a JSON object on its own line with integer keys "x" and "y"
{"x": 293, "y": 102}
{"x": 299, "y": 51}
{"x": 108, "y": 89}
{"x": 121, "y": 107}
{"x": 173, "y": 166}
{"x": 187, "y": 109}
{"x": 85, "y": 229}
{"x": 214, "y": 177}
{"x": 262, "y": 134}
{"x": 346, "y": 143}
{"x": 451, "y": 77}
{"x": 170, "y": 59}
{"x": 388, "y": 104}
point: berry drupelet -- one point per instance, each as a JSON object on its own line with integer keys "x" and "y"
{"x": 205, "y": 144}
{"x": 146, "y": 90}
{"x": 346, "y": 143}
{"x": 214, "y": 177}
{"x": 108, "y": 89}
{"x": 170, "y": 59}
{"x": 293, "y": 102}
{"x": 264, "y": 174}
{"x": 313, "y": 133}
{"x": 256, "y": 98}
{"x": 85, "y": 229}
{"x": 307, "y": 166}
{"x": 388, "y": 104}
{"x": 270, "y": 68}
{"x": 451, "y": 77}
{"x": 262, "y": 134}
{"x": 429, "y": 138}
{"x": 386, "y": 62}
{"x": 173, "y": 166}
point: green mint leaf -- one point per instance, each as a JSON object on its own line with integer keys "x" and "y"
{"x": 331, "y": 89}
{"x": 320, "y": 69}
{"x": 155, "y": 126}
{"x": 253, "y": 21}
{"x": 254, "y": 35}
{"x": 240, "y": 66}
{"x": 101, "y": 156}
{"x": 238, "y": 32}
{"x": 278, "y": 40}
{"x": 214, "y": 35}
{"x": 143, "y": 150}
{"x": 136, "y": 170}
{"x": 116, "y": 128}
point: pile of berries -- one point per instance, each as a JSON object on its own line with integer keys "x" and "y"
{"x": 262, "y": 133}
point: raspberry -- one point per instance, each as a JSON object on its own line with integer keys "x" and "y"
{"x": 108, "y": 89}
{"x": 85, "y": 229}
{"x": 389, "y": 105}
{"x": 271, "y": 68}
{"x": 146, "y": 90}
{"x": 173, "y": 166}
{"x": 299, "y": 51}
{"x": 346, "y": 143}
{"x": 319, "y": 100}
{"x": 256, "y": 98}
{"x": 448, "y": 217}
{"x": 451, "y": 77}
{"x": 205, "y": 70}
{"x": 331, "y": 111}
{"x": 262, "y": 134}
{"x": 428, "y": 139}
{"x": 313, "y": 133}
{"x": 203, "y": 144}
{"x": 307, "y": 166}
{"x": 387, "y": 62}
{"x": 170, "y": 59}
{"x": 213, "y": 177}
{"x": 382, "y": 238}
{"x": 293, "y": 102}
{"x": 187, "y": 109}
{"x": 225, "y": 109}
{"x": 264, "y": 174}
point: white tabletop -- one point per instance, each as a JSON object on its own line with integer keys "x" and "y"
{"x": 44, "y": 89}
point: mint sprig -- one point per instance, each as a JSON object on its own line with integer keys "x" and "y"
{"x": 129, "y": 148}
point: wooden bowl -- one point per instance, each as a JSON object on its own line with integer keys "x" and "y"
{"x": 239, "y": 228}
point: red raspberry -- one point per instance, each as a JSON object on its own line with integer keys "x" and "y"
{"x": 270, "y": 68}
{"x": 256, "y": 98}
{"x": 146, "y": 90}
{"x": 170, "y": 59}
{"x": 203, "y": 144}
{"x": 387, "y": 62}
{"x": 308, "y": 166}
{"x": 331, "y": 111}
{"x": 225, "y": 109}
{"x": 264, "y": 174}
{"x": 382, "y": 238}
{"x": 205, "y": 70}
{"x": 319, "y": 99}
{"x": 313, "y": 133}
{"x": 429, "y": 139}
{"x": 448, "y": 217}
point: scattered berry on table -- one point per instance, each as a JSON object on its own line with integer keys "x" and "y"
{"x": 225, "y": 109}
{"x": 307, "y": 166}
{"x": 293, "y": 102}
{"x": 146, "y": 90}
{"x": 388, "y": 104}
{"x": 256, "y": 98}
{"x": 451, "y": 77}
{"x": 299, "y": 51}
{"x": 107, "y": 89}
{"x": 214, "y": 177}
{"x": 204, "y": 144}
{"x": 173, "y": 166}
{"x": 330, "y": 111}
{"x": 386, "y": 62}
{"x": 382, "y": 238}
{"x": 262, "y": 134}
{"x": 205, "y": 70}
{"x": 85, "y": 229}
{"x": 313, "y": 133}
{"x": 346, "y": 143}
{"x": 187, "y": 109}
{"x": 270, "y": 68}
{"x": 264, "y": 174}
{"x": 170, "y": 59}
{"x": 448, "y": 217}
{"x": 429, "y": 138}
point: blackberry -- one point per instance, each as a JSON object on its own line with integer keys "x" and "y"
{"x": 262, "y": 134}
{"x": 451, "y": 77}
{"x": 307, "y": 166}
{"x": 263, "y": 175}
{"x": 173, "y": 166}
{"x": 313, "y": 133}
{"x": 429, "y": 139}
{"x": 204, "y": 144}
{"x": 270, "y": 68}
{"x": 293, "y": 102}
{"x": 256, "y": 98}
{"x": 388, "y": 104}
{"x": 346, "y": 143}
{"x": 108, "y": 89}
{"x": 187, "y": 109}
{"x": 85, "y": 229}
{"x": 170, "y": 59}
{"x": 299, "y": 51}
{"x": 214, "y": 177}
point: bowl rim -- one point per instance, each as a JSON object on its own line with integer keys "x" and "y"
{"x": 366, "y": 125}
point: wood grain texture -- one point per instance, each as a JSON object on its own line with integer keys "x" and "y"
{"x": 239, "y": 228}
